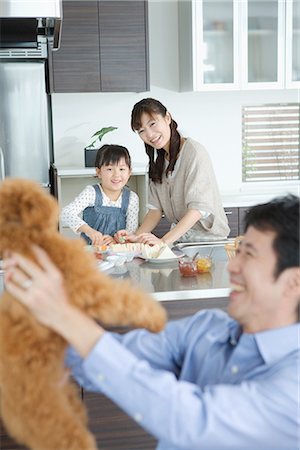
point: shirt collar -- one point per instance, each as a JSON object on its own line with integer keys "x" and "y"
{"x": 278, "y": 342}
{"x": 272, "y": 344}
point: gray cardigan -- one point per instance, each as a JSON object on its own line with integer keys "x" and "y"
{"x": 192, "y": 185}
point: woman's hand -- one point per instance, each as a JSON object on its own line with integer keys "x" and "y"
{"x": 108, "y": 240}
{"x": 149, "y": 238}
{"x": 122, "y": 237}
{"x": 41, "y": 289}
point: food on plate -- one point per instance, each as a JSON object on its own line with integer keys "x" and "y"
{"x": 157, "y": 251}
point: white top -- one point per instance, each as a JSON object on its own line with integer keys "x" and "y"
{"x": 71, "y": 214}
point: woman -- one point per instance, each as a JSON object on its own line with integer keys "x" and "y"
{"x": 182, "y": 186}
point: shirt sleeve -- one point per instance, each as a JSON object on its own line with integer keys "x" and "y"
{"x": 71, "y": 214}
{"x": 132, "y": 218}
{"x": 181, "y": 414}
{"x": 154, "y": 201}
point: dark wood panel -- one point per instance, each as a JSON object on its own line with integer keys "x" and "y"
{"x": 113, "y": 429}
{"x": 162, "y": 228}
{"x": 232, "y": 215}
{"x": 242, "y": 213}
{"x": 123, "y": 32}
{"x": 76, "y": 65}
{"x": 183, "y": 308}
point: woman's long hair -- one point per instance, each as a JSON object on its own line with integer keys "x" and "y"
{"x": 156, "y": 166}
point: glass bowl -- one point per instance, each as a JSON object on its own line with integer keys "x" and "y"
{"x": 203, "y": 264}
{"x": 187, "y": 267}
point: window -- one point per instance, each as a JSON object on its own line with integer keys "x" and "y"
{"x": 270, "y": 138}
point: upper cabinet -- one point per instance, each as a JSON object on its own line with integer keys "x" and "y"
{"x": 228, "y": 44}
{"x": 293, "y": 43}
{"x": 104, "y": 47}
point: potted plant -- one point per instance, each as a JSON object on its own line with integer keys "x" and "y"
{"x": 91, "y": 150}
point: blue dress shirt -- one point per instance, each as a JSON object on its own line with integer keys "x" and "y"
{"x": 202, "y": 383}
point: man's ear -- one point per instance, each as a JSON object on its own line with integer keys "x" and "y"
{"x": 292, "y": 280}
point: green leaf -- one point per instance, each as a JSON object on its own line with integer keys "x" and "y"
{"x": 101, "y": 133}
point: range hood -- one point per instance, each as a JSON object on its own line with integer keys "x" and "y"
{"x": 27, "y": 23}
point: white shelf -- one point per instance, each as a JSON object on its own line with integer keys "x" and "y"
{"x": 70, "y": 172}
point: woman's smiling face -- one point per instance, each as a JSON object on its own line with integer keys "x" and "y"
{"x": 155, "y": 130}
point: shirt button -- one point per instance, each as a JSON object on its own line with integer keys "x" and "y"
{"x": 232, "y": 341}
{"x": 234, "y": 369}
{"x": 138, "y": 417}
{"x": 101, "y": 377}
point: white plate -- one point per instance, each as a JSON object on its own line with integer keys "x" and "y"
{"x": 161, "y": 261}
{"x": 105, "y": 265}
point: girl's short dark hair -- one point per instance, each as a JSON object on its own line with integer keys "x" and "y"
{"x": 112, "y": 154}
{"x": 156, "y": 165}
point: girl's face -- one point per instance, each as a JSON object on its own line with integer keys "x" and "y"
{"x": 114, "y": 176}
{"x": 155, "y": 130}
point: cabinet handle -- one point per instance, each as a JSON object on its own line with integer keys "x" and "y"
{"x": 228, "y": 213}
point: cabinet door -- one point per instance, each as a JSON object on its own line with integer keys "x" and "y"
{"x": 219, "y": 45}
{"x": 123, "y": 29}
{"x": 76, "y": 65}
{"x": 262, "y": 49}
{"x": 232, "y": 215}
{"x": 293, "y": 43}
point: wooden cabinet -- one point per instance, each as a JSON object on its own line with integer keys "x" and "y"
{"x": 123, "y": 31}
{"x": 104, "y": 47}
{"x": 242, "y": 212}
{"x": 235, "y": 216}
{"x": 232, "y": 215}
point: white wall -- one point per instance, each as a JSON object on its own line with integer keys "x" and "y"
{"x": 212, "y": 118}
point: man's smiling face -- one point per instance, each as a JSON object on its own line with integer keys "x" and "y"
{"x": 257, "y": 297}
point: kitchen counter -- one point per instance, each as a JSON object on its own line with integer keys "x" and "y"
{"x": 165, "y": 283}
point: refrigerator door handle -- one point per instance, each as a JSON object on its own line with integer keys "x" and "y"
{"x": 2, "y": 169}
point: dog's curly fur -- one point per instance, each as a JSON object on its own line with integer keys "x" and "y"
{"x": 37, "y": 408}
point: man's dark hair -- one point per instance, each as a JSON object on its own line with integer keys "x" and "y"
{"x": 280, "y": 215}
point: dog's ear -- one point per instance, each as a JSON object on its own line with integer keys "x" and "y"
{"x": 24, "y": 203}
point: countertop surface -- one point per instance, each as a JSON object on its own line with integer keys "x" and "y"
{"x": 164, "y": 281}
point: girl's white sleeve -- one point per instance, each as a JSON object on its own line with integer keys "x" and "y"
{"x": 71, "y": 214}
{"x": 132, "y": 217}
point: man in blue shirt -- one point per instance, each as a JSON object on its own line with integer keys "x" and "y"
{"x": 213, "y": 381}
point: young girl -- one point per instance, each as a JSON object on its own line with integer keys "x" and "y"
{"x": 99, "y": 211}
{"x": 182, "y": 186}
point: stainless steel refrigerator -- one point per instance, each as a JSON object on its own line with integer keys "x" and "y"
{"x": 29, "y": 30}
{"x": 25, "y": 121}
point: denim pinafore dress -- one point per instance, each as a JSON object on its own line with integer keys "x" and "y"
{"x": 106, "y": 219}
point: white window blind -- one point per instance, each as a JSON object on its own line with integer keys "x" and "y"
{"x": 270, "y": 136}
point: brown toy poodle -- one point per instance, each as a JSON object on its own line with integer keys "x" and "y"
{"x": 37, "y": 407}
